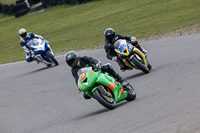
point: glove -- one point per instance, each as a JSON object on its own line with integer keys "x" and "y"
{"x": 97, "y": 66}
{"x": 114, "y": 58}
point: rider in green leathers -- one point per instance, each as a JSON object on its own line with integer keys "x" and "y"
{"x": 77, "y": 62}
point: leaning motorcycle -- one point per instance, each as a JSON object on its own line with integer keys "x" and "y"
{"x": 104, "y": 88}
{"x": 41, "y": 52}
{"x": 132, "y": 56}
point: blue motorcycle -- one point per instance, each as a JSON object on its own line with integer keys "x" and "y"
{"x": 41, "y": 52}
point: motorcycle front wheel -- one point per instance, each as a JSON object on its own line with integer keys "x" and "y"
{"x": 148, "y": 64}
{"x": 131, "y": 93}
{"x": 139, "y": 65}
{"x": 51, "y": 58}
{"x": 104, "y": 100}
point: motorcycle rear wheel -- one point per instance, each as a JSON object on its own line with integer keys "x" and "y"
{"x": 139, "y": 65}
{"x": 106, "y": 102}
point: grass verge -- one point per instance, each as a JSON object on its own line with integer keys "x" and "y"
{"x": 7, "y": 1}
{"x": 82, "y": 26}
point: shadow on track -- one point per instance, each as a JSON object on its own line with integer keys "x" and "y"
{"x": 98, "y": 112}
{"x": 135, "y": 76}
{"x": 143, "y": 74}
{"x": 35, "y": 71}
{"x": 41, "y": 69}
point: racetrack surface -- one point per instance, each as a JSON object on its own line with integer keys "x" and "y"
{"x": 37, "y": 99}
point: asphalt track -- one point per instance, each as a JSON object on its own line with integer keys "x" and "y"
{"x": 37, "y": 99}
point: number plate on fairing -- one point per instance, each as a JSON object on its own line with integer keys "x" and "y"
{"x": 82, "y": 76}
{"x": 122, "y": 47}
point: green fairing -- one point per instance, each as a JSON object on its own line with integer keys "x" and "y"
{"x": 105, "y": 79}
{"x": 118, "y": 95}
{"x": 102, "y": 79}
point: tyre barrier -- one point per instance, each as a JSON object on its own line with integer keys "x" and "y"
{"x": 6, "y": 9}
{"x": 49, "y": 3}
{"x": 21, "y": 12}
{"x": 23, "y": 6}
{"x": 20, "y": 6}
{"x": 31, "y": 2}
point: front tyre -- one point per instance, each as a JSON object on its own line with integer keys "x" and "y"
{"x": 108, "y": 103}
{"x": 51, "y": 58}
{"x": 131, "y": 93}
{"x": 139, "y": 65}
{"x": 148, "y": 64}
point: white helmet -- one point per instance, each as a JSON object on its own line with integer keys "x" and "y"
{"x": 22, "y": 32}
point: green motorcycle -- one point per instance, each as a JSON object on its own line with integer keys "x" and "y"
{"x": 104, "y": 88}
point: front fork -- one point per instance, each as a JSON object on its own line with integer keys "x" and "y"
{"x": 50, "y": 49}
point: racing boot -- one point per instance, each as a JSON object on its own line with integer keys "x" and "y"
{"x": 108, "y": 68}
{"x": 122, "y": 65}
{"x": 121, "y": 80}
{"x": 125, "y": 84}
{"x": 123, "y": 68}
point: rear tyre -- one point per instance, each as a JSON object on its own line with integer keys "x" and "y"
{"x": 51, "y": 58}
{"x": 131, "y": 93}
{"x": 139, "y": 65}
{"x": 108, "y": 103}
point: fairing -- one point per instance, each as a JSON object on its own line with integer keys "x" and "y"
{"x": 89, "y": 80}
{"x": 125, "y": 51}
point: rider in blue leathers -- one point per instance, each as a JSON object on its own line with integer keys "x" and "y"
{"x": 25, "y": 38}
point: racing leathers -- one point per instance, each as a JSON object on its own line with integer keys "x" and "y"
{"x": 94, "y": 63}
{"x": 24, "y": 44}
{"x": 112, "y": 55}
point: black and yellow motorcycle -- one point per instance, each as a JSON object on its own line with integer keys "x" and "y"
{"x": 132, "y": 56}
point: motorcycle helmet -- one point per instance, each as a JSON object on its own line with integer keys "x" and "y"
{"x": 109, "y": 33}
{"x": 71, "y": 58}
{"x": 22, "y": 32}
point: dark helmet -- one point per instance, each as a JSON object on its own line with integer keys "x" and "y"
{"x": 109, "y": 33}
{"x": 22, "y": 32}
{"x": 71, "y": 58}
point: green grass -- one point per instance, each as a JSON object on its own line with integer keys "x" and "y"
{"x": 82, "y": 26}
{"x": 7, "y": 1}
